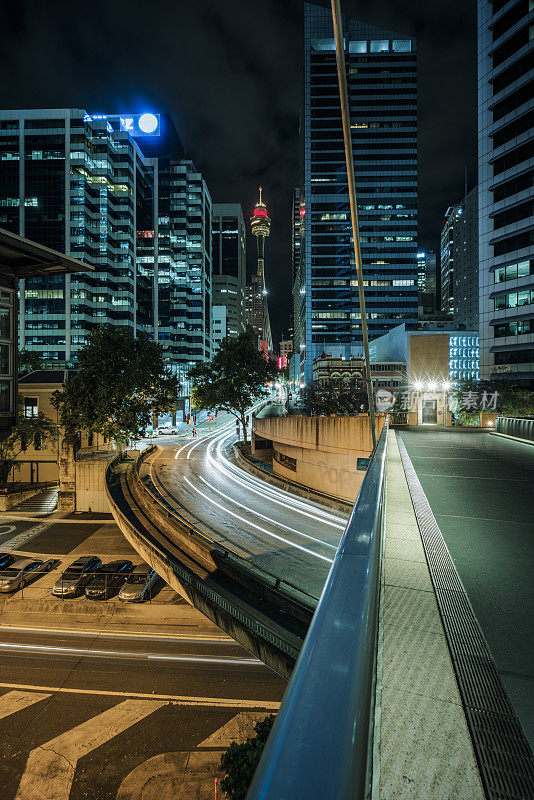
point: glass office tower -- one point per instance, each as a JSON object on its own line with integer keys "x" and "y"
{"x": 116, "y": 192}
{"x": 505, "y": 189}
{"x": 229, "y": 269}
{"x": 381, "y": 75}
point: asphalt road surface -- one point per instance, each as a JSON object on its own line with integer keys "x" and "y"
{"x": 111, "y": 716}
{"x": 292, "y": 538}
{"x": 479, "y": 487}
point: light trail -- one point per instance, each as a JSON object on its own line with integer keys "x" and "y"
{"x": 42, "y": 648}
{"x": 258, "y": 527}
{"x": 267, "y": 519}
{"x": 259, "y": 487}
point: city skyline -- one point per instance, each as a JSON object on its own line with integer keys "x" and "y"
{"x": 254, "y": 90}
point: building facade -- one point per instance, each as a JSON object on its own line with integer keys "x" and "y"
{"x": 381, "y": 72}
{"x": 505, "y": 189}
{"x": 114, "y": 192}
{"x": 229, "y": 267}
{"x": 448, "y": 234}
{"x": 336, "y": 371}
{"x": 465, "y": 260}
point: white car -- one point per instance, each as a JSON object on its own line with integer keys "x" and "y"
{"x": 167, "y": 431}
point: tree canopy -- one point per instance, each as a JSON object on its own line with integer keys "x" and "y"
{"x": 120, "y": 383}
{"x": 29, "y": 361}
{"x": 334, "y": 399}
{"x": 233, "y": 379}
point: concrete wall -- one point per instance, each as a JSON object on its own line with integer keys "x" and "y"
{"x": 320, "y": 453}
{"x": 91, "y": 486}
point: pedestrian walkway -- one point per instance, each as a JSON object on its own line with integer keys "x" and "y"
{"x": 44, "y": 502}
{"x": 479, "y": 488}
{"x": 422, "y": 736}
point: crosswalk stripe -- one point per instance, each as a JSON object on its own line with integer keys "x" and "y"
{"x": 11, "y": 702}
{"x": 50, "y": 768}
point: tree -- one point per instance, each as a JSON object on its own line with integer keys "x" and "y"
{"x": 29, "y": 361}
{"x": 26, "y": 429}
{"x": 334, "y": 399}
{"x": 121, "y": 381}
{"x": 239, "y": 762}
{"x": 233, "y": 379}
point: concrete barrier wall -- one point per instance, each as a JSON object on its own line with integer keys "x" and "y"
{"x": 91, "y": 486}
{"x": 320, "y": 453}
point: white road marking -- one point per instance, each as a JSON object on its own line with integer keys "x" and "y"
{"x": 181, "y": 700}
{"x": 44, "y": 648}
{"x": 25, "y": 536}
{"x": 50, "y": 768}
{"x": 14, "y": 701}
{"x": 258, "y": 527}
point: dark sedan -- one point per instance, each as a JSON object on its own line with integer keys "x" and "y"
{"x": 76, "y": 577}
{"x": 109, "y": 578}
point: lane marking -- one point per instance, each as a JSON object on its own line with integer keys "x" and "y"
{"x": 262, "y": 516}
{"x": 105, "y": 633}
{"x": 15, "y": 701}
{"x": 51, "y": 767}
{"x": 258, "y": 527}
{"x": 184, "y": 700}
{"x": 45, "y": 648}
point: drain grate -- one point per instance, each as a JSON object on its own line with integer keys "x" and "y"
{"x": 503, "y": 754}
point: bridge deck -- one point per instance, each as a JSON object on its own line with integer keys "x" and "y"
{"x": 480, "y": 489}
{"x": 421, "y": 734}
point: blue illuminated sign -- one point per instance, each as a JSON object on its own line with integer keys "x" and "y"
{"x": 146, "y": 124}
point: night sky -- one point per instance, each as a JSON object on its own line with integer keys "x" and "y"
{"x": 229, "y": 72}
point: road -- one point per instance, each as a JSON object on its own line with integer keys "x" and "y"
{"x": 479, "y": 487}
{"x": 292, "y": 538}
{"x": 84, "y": 716}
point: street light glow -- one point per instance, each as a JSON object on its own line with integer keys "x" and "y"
{"x": 418, "y": 386}
{"x": 432, "y": 385}
{"x": 446, "y": 386}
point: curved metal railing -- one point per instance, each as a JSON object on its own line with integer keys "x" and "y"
{"x": 512, "y": 426}
{"x": 320, "y": 745}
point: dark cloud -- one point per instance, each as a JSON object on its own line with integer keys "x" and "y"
{"x": 230, "y": 74}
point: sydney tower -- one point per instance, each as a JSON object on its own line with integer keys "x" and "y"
{"x": 261, "y": 227}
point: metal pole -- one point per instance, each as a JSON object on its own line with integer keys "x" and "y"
{"x": 345, "y": 116}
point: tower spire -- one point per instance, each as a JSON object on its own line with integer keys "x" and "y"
{"x": 260, "y": 195}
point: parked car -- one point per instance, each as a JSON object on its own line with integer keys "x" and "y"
{"x": 167, "y": 431}
{"x": 76, "y": 577}
{"x": 139, "y": 584}
{"x": 108, "y": 578}
{"x": 5, "y": 560}
{"x": 22, "y": 572}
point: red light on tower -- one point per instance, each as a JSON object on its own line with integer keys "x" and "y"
{"x": 259, "y": 221}
{"x": 302, "y": 211}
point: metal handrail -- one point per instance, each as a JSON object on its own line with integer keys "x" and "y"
{"x": 320, "y": 744}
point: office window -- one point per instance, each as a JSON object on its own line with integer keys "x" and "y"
{"x": 4, "y": 359}
{"x": 5, "y": 397}
{"x": 5, "y": 323}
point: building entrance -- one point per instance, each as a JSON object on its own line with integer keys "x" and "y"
{"x": 430, "y": 412}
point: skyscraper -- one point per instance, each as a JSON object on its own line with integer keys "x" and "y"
{"x": 229, "y": 268}
{"x": 465, "y": 257}
{"x": 449, "y": 232}
{"x": 505, "y": 189}
{"x": 114, "y": 191}
{"x": 381, "y": 74}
